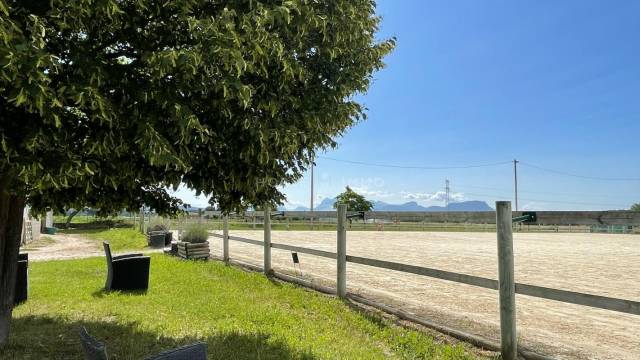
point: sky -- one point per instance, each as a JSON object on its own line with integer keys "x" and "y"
{"x": 473, "y": 85}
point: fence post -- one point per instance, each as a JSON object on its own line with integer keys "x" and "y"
{"x": 225, "y": 239}
{"x": 341, "y": 283}
{"x": 142, "y": 219}
{"x": 506, "y": 281}
{"x": 267, "y": 239}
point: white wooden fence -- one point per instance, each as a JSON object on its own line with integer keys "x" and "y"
{"x": 505, "y": 284}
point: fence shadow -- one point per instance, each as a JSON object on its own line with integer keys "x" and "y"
{"x": 58, "y": 338}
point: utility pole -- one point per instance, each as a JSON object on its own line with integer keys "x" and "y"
{"x": 447, "y": 192}
{"x": 311, "y": 202}
{"x": 515, "y": 180}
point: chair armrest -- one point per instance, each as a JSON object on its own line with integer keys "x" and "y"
{"x": 126, "y": 256}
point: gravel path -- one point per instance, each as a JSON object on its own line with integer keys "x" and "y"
{"x": 68, "y": 246}
{"x": 64, "y": 246}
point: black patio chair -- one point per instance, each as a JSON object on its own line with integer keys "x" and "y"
{"x": 197, "y": 351}
{"x": 95, "y": 350}
{"x": 22, "y": 280}
{"x": 126, "y": 272}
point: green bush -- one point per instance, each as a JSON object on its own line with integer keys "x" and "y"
{"x": 195, "y": 233}
{"x": 158, "y": 224}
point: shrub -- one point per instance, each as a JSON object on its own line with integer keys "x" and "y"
{"x": 195, "y": 233}
{"x": 158, "y": 224}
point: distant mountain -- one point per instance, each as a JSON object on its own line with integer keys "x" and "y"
{"x": 325, "y": 205}
{"x": 473, "y": 205}
{"x": 192, "y": 208}
{"x": 410, "y": 206}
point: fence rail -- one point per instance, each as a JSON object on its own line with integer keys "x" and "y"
{"x": 610, "y": 217}
{"x": 507, "y": 288}
{"x": 577, "y": 298}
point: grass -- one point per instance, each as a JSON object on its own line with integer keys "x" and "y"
{"x": 241, "y": 315}
{"x": 118, "y": 238}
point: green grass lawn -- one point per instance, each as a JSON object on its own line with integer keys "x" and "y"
{"x": 241, "y": 315}
{"x": 118, "y": 238}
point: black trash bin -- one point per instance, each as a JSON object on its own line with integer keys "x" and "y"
{"x": 22, "y": 280}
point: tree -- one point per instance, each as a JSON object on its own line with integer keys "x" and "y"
{"x": 635, "y": 207}
{"x": 354, "y": 201}
{"x": 109, "y": 104}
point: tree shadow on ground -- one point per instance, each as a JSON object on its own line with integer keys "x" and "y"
{"x": 40, "y": 337}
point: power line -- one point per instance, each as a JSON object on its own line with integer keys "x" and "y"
{"x": 576, "y": 175}
{"x": 476, "y": 166}
{"x": 415, "y": 167}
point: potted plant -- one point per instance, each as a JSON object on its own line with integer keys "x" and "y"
{"x": 193, "y": 242}
{"x": 158, "y": 235}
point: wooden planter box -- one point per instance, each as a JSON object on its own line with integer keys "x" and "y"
{"x": 193, "y": 251}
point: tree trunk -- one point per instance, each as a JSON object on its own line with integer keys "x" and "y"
{"x": 11, "y": 215}
{"x": 68, "y": 223}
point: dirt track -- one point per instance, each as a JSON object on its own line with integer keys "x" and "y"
{"x": 69, "y": 246}
{"x": 599, "y": 264}
{"x": 63, "y": 246}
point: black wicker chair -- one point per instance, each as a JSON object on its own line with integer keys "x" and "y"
{"x": 126, "y": 272}
{"x": 197, "y": 351}
{"x": 95, "y": 350}
{"x": 22, "y": 280}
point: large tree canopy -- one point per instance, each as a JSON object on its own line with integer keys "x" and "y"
{"x": 107, "y": 103}
{"x": 229, "y": 97}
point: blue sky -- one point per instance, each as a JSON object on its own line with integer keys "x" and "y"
{"x": 552, "y": 84}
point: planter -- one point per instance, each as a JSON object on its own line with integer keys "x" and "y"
{"x": 156, "y": 239}
{"x": 172, "y": 249}
{"x": 193, "y": 250}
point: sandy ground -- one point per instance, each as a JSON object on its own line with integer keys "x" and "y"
{"x": 63, "y": 246}
{"x": 68, "y": 246}
{"x": 602, "y": 264}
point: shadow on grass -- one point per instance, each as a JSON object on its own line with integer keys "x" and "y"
{"x": 100, "y": 293}
{"x": 38, "y": 337}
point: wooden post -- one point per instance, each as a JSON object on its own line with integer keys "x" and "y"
{"x": 142, "y": 219}
{"x": 267, "y": 240}
{"x": 506, "y": 281}
{"x": 341, "y": 282}
{"x": 225, "y": 239}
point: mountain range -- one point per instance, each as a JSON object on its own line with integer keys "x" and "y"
{"x": 473, "y": 205}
